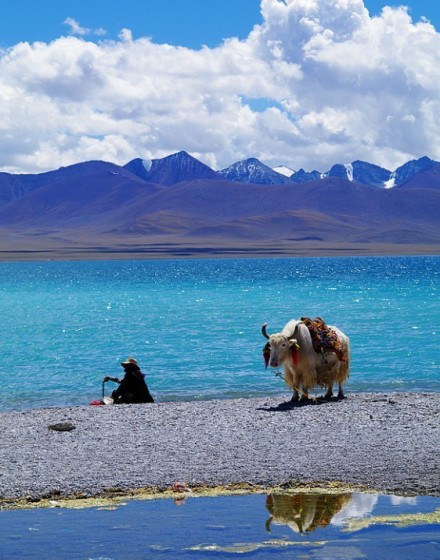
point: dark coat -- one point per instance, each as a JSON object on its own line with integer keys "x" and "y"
{"x": 133, "y": 388}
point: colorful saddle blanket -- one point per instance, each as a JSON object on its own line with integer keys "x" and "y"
{"x": 324, "y": 338}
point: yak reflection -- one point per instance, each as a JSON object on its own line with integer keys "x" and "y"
{"x": 304, "y": 513}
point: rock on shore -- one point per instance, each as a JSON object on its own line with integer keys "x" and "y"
{"x": 382, "y": 442}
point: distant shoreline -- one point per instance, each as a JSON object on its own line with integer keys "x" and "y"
{"x": 378, "y": 442}
{"x": 178, "y": 250}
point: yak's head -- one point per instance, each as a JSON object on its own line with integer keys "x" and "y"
{"x": 279, "y": 348}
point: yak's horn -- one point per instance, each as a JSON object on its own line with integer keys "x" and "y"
{"x": 268, "y": 522}
{"x": 263, "y": 330}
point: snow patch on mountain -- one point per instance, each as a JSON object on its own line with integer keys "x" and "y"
{"x": 147, "y": 164}
{"x": 349, "y": 170}
{"x": 391, "y": 182}
{"x": 283, "y": 170}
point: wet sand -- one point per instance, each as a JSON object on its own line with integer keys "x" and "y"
{"x": 379, "y": 442}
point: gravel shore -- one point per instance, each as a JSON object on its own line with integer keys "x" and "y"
{"x": 379, "y": 442}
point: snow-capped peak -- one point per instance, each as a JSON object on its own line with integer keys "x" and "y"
{"x": 251, "y": 170}
{"x": 284, "y": 170}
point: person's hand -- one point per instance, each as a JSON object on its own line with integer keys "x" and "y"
{"x": 106, "y": 379}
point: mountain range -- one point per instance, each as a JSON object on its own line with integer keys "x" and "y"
{"x": 179, "y": 205}
{"x": 183, "y": 167}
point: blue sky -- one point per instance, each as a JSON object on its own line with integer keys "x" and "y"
{"x": 190, "y": 23}
{"x": 179, "y": 22}
{"x": 301, "y": 83}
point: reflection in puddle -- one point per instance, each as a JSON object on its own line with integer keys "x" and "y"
{"x": 304, "y": 513}
{"x": 309, "y": 526}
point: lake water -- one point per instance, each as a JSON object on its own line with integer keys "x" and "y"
{"x": 195, "y": 325}
{"x": 330, "y": 527}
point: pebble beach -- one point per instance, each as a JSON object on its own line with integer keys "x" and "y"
{"x": 377, "y": 442}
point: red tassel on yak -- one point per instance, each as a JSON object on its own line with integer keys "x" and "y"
{"x": 295, "y": 356}
{"x": 266, "y": 354}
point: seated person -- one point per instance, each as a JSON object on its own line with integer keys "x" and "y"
{"x": 132, "y": 388}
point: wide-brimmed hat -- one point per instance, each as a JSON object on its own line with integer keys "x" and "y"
{"x": 130, "y": 362}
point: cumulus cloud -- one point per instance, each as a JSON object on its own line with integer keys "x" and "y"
{"x": 337, "y": 85}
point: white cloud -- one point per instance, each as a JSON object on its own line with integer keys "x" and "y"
{"x": 125, "y": 35}
{"x": 343, "y": 85}
{"x": 361, "y": 505}
{"x": 77, "y": 29}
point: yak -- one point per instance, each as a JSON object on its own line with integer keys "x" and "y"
{"x": 308, "y": 364}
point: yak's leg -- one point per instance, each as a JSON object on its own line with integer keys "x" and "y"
{"x": 305, "y": 394}
{"x": 293, "y": 379}
{"x": 341, "y": 392}
{"x": 329, "y": 393}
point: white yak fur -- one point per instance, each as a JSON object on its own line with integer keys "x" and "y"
{"x": 313, "y": 368}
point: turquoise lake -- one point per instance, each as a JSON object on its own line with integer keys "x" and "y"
{"x": 195, "y": 325}
{"x": 328, "y": 527}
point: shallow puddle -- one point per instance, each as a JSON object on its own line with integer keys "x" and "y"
{"x": 303, "y": 526}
